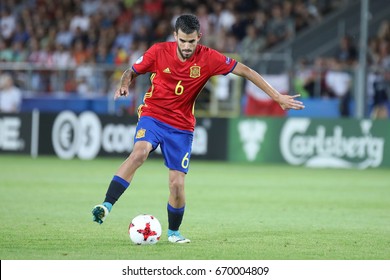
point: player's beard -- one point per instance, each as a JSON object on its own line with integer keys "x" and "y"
{"x": 184, "y": 54}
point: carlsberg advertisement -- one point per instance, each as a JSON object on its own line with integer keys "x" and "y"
{"x": 323, "y": 143}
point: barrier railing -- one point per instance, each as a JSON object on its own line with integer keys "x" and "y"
{"x": 221, "y": 97}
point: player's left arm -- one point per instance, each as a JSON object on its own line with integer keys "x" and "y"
{"x": 285, "y": 101}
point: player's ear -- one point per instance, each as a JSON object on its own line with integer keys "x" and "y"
{"x": 175, "y": 35}
{"x": 199, "y": 36}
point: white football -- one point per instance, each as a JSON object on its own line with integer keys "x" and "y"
{"x": 145, "y": 230}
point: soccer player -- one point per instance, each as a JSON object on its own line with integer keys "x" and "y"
{"x": 179, "y": 70}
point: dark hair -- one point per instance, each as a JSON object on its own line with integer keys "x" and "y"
{"x": 187, "y": 23}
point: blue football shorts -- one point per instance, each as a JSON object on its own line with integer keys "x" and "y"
{"x": 175, "y": 144}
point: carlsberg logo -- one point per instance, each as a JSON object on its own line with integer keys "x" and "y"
{"x": 330, "y": 148}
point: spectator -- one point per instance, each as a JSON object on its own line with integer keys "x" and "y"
{"x": 279, "y": 28}
{"x": 62, "y": 61}
{"x": 121, "y": 56}
{"x": 222, "y": 17}
{"x": 143, "y": 34}
{"x": 340, "y": 81}
{"x": 124, "y": 37}
{"x": 7, "y": 24}
{"x": 141, "y": 20}
{"x": 346, "y": 53}
{"x": 239, "y": 26}
{"x": 231, "y": 43}
{"x": 103, "y": 55}
{"x": 384, "y": 55}
{"x": 312, "y": 9}
{"x": 304, "y": 79}
{"x": 47, "y": 52}
{"x": 309, "y": 79}
{"x": 202, "y": 13}
{"x": 19, "y": 52}
{"x": 90, "y": 79}
{"x": 301, "y": 16}
{"x": 260, "y": 21}
{"x": 110, "y": 10}
{"x": 252, "y": 44}
{"x": 64, "y": 35}
{"x": 379, "y": 95}
{"x": 10, "y": 95}
{"x": 107, "y": 36}
{"x": 162, "y": 31}
{"x": 246, "y": 7}
{"x": 372, "y": 50}
{"x": 153, "y": 8}
{"x": 62, "y": 58}
{"x": 79, "y": 52}
{"x": 90, "y": 7}
{"x": 126, "y": 14}
{"x": 35, "y": 58}
{"x": 210, "y": 40}
{"x": 80, "y": 36}
{"x": 5, "y": 52}
{"x": 384, "y": 31}
{"x": 79, "y": 21}
{"x": 46, "y": 59}
{"x": 287, "y": 9}
{"x": 176, "y": 11}
{"x": 20, "y": 34}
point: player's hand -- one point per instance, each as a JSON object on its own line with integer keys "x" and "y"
{"x": 122, "y": 91}
{"x": 289, "y": 102}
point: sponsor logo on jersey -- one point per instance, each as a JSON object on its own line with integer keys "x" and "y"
{"x": 140, "y": 133}
{"x": 195, "y": 71}
{"x": 166, "y": 70}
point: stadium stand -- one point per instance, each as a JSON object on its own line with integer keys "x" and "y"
{"x": 52, "y": 48}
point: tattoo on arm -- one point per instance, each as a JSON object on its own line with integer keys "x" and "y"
{"x": 127, "y": 78}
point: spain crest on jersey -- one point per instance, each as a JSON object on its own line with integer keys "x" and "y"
{"x": 140, "y": 133}
{"x": 195, "y": 71}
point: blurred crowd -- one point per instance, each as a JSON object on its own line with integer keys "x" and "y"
{"x": 83, "y": 33}
{"x": 333, "y": 76}
{"x": 70, "y": 32}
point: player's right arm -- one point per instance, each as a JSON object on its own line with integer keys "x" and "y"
{"x": 127, "y": 78}
{"x": 143, "y": 65}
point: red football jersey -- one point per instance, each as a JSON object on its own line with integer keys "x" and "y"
{"x": 176, "y": 84}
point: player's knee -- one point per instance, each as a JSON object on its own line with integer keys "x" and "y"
{"x": 176, "y": 187}
{"x": 138, "y": 157}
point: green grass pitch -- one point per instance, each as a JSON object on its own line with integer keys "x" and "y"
{"x": 233, "y": 212}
